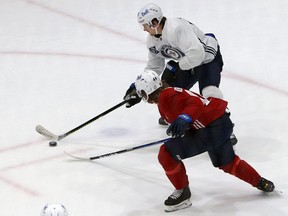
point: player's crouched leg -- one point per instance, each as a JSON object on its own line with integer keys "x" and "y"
{"x": 242, "y": 170}
{"x": 176, "y": 173}
{"x": 213, "y": 91}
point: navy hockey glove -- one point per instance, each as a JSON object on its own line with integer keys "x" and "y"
{"x": 179, "y": 126}
{"x": 131, "y": 97}
{"x": 176, "y": 77}
{"x": 169, "y": 74}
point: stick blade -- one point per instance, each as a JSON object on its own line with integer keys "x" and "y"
{"x": 76, "y": 157}
{"x": 44, "y": 132}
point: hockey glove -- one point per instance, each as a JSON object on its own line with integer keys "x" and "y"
{"x": 169, "y": 74}
{"x": 131, "y": 97}
{"x": 179, "y": 126}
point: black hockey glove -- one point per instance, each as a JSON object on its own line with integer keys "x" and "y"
{"x": 176, "y": 77}
{"x": 179, "y": 126}
{"x": 169, "y": 74}
{"x": 131, "y": 97}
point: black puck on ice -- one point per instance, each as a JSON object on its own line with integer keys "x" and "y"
{"x": 52, "y": 143}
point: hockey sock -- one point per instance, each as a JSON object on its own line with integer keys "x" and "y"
{"x": 242, "y": 170}
{"x": 175, "y": 170}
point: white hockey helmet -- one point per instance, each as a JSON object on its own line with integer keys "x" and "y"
{"x": 54, "y": 210}
{"x": 147, "y": 83}
{"x": 148, "y": 13}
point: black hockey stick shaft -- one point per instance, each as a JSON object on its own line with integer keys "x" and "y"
{"x": 130, "y": 149}
{"x": 91, "y": 120}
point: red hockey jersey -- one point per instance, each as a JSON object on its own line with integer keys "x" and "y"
{"x": 173, "y": 102}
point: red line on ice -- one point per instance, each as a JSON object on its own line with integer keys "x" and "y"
{"x": 2, "y": 150}
{"x": 18, "y": 186}
{"x": 82, "y": 20}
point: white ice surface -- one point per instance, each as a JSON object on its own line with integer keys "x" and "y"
{"x": 63, "y": 62}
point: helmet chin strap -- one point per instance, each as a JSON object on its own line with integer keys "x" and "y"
{"x": 156, "y": 31}
{"x": 155, "y": 28}
{"x": 157, "y": 34}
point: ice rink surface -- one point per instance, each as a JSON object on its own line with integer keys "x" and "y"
{"x": 63, "y": 62}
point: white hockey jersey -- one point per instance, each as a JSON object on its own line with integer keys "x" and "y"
{"x": 181, "y": 41}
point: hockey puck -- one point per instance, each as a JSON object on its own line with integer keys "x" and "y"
{"x": 52, "y": 143}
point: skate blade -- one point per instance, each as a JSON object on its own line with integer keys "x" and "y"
{"x": 185, "y": 204}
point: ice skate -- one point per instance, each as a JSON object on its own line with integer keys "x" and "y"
{"x": 265, "y": 185}
{"x": 179, "y": 199}
{"x": 233, "y": 139}
{"x": 162, "y": 122}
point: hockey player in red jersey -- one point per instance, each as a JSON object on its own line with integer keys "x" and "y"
{"x": 197, "y": 125}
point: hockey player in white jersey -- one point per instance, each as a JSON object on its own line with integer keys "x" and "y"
{"x": 192, "y": 55}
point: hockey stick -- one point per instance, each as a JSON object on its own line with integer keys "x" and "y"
{"x": 120, "y": 151}
{"x": 43, "y": 131}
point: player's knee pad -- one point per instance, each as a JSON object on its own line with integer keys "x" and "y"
{"x": 231, "y": 168}
{"x": 212, "y": 91}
